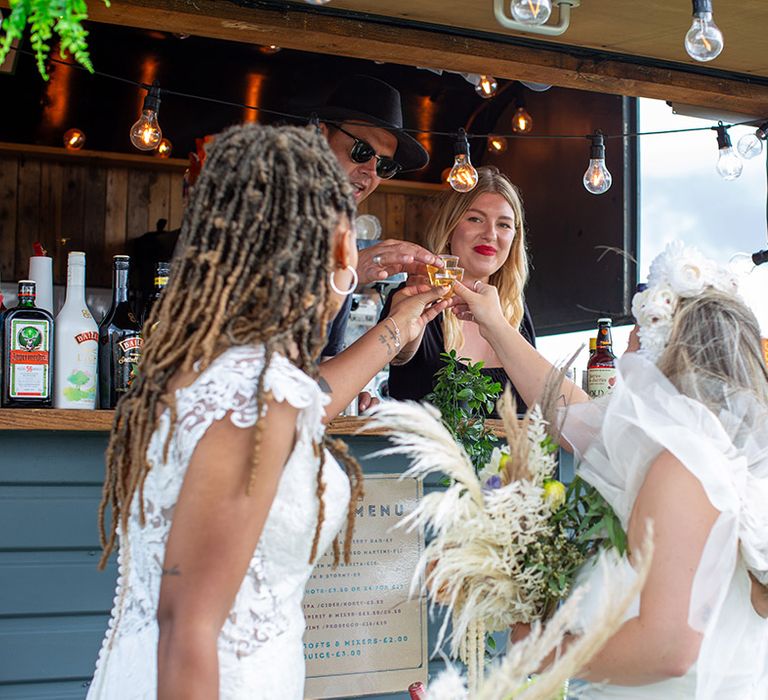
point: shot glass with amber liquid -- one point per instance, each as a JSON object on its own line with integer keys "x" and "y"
{"x": 446, "y": 278}
{"x": 449, "y": 261}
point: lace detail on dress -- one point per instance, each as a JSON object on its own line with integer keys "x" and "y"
{"x": 267, "y": 606}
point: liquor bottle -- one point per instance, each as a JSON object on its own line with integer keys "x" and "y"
{"x": 120, "y": 340}
{"x": 601, "y": 369}
{"x": 162, "y": 269}
{"x": 28, "y": 344}
{"x": 416, "y": 691}
{"x": 77, "y": 343}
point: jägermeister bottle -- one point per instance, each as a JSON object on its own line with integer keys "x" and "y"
{"x": 601, "y": 369}
{"x": 27, "y": 353}
{"x": 120, "y": 340}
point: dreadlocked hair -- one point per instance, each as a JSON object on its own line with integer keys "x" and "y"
{"x": 252, "y": 268}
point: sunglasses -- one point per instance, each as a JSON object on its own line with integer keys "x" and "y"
{"x": 362, "y": 152}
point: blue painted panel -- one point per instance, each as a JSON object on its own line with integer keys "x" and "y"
{"x": 49, "y": 517}
{"x": 50, "y": 648}
{"x": 54, "y": 582}
{"x": 64, "y": 690}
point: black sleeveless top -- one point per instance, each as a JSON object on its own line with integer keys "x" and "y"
{"x": 415, "y": 379}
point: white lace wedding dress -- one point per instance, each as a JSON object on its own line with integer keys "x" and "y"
{"x": 260, "y": 645}
{"x": 616, "y": 440}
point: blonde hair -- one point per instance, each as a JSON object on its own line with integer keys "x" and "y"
{"x": 715, "y": 351}
{"x": 511, "y": 278}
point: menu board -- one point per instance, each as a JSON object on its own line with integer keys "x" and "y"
{"x": 364, "y": 634}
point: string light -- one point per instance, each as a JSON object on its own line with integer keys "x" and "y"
{"x": 704, "y": 40}
{"x": 463, "y": 176}
{"x": 729, "y": 165}
{"x": 597, "y": 179}
{"x": 531, "y": 11}
{"x": 270, "y": 49}
{"x": 74, "y": 139}
{"x": 751, "y": 145}
{"x": 164, "y": 149}
{"x": 497, "y": 144}
{"x": 486, "y": 86}
{"x": 146, "y": 133}
{"x": 522, "y": 122}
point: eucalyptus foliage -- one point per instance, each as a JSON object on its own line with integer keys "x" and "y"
{"x": 46, "y": 17}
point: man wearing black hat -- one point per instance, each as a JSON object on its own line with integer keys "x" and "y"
{"x": 363, "y": 122}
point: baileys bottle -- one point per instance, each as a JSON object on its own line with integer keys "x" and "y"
{"x": 120, "y": 340}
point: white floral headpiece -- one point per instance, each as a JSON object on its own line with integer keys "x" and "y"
{"x": 680, "y": 272}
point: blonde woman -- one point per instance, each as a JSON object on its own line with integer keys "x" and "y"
{"x": 485, "y": 228}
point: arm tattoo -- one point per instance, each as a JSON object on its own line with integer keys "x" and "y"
{"x": 384, "y": 341}
{"x": 173, "y": 571}
{"x": 325, "y": 387}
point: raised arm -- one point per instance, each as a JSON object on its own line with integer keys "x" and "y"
{"x": 347, "y": 373}
{"x": 526, "y": 367}
{"x": 216, "y": 528}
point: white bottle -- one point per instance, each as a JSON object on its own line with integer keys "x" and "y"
{"x": 77, "y": 342}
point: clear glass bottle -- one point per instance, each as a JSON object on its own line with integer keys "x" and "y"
{"x": 77, "y": 344}
{"x": 120, "y": 340}
{"x": 28, "y": 345}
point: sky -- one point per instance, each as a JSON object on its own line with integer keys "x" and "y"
{"x": 682, "y": 196}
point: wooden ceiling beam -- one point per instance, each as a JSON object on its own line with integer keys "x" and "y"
{"x": 306, "y": 31}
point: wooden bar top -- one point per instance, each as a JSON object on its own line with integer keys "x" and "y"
{"x": 101, "y": 421}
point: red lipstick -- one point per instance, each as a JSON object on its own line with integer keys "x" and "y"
{"x": 485, "y": 250}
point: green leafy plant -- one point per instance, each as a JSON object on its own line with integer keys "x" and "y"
{"x": 64, "y": 17}
{"x": 465, "y": 396}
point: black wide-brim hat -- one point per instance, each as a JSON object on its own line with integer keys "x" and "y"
{"x": 370, "y": 100}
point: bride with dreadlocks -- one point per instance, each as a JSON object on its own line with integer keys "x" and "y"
{"x": 219, "y": 486}
{"x": 683, "y": 441}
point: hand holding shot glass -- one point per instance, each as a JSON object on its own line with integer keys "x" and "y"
{"x": 446, "y": 276}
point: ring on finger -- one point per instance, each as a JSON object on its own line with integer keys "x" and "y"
{"x": 377, "y": 260}
{"x": 474, "y": 286}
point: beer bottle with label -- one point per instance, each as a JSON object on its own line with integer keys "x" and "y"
{"x": 120, "y": 340}
{"x": 162, "y": 269}
{"x": 28, "y": 344}
{"x": 601, "y": 368}
{"x": 77, "y": 343}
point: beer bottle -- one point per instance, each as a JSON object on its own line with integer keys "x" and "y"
{"x": 120, "y": 340}
{"x": 28, "y": 344}
{"x": 601, "y": 368}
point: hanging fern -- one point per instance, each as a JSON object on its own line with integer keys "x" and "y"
{"x": 45, "y": 17}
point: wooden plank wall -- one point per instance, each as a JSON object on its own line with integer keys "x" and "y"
{"x": 97, "y": 206}
{"x": 75, "y": 205}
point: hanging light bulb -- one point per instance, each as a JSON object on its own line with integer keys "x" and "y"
{"x": 74, "y": 139}
{"x": 164, "y": 149}
{"x": 486, "y": 86}
{"x": 463, "y": 176}
{"x": 704, "y": 41}
{"x": 269, "y": 49}
{"x": 751, "y": 145}
{"x": 597, "y": 179}
{"x": 145, "y": 133}
{"x": 531, "y": 11}
{"x": 729, "y": 165}
{"x": 497, "y": 144}
{"x": 522, "y": 122}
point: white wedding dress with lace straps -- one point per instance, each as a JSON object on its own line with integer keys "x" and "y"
{"x": 260, "y": 645}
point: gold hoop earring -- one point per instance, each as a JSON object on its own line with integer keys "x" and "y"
{"x": 349, "y": 291}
